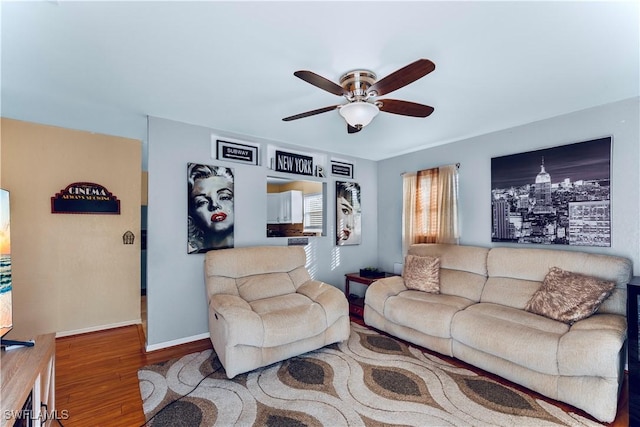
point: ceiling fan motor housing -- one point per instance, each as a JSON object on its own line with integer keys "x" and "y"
{"x": 357, "y": 83}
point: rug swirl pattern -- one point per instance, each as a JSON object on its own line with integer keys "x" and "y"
{"x": 370, "y": 380}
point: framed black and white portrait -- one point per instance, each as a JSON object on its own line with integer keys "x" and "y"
{"x": 348, "y": 213}
{"x": 210, "y": 207}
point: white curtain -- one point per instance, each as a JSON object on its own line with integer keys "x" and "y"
{"x": 410, "y": 193}
{"x": 430, "y": 206}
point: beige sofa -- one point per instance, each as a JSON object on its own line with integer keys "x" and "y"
{"x": 479, "y": 317}
{"x": 264, "y": 307}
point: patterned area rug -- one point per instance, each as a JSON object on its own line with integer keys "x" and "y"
{"x": 370, "y": 380}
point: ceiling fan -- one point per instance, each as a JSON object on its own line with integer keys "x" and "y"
{"x": 360, "y": 87}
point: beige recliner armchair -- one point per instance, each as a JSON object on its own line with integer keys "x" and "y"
{"x": 264, "y": 307}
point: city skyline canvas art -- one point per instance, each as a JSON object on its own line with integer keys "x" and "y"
{"x": 554, "y": 196}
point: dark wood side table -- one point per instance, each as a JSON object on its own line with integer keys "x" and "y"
{"x": 633, "y": 321}
{"x": 356, "y": 305}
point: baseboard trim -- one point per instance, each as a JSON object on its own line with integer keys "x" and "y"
{"x": 97, "y": 328}
{"x": 153, "y": 347}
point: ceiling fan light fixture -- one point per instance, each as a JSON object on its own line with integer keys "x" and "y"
{"x": 359, "y": 113}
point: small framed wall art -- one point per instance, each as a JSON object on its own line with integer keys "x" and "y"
{"x": 342, "y": 169}
{"x": 234, "y": 151}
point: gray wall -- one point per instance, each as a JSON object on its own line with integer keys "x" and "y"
{"x": 619, "y": 119}
{"x": 177, "y": 309}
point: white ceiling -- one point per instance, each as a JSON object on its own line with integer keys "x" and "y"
{"x": 229, "y": 65}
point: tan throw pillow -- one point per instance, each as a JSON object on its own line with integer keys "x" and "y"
{"x": 422, "y": 273}
{"x": 569, "y": 297}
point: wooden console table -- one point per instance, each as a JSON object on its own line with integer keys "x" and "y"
{"x": 29, "y": 370}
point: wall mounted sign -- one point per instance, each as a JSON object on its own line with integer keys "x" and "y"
{"x": 85, "y": 198}
{"x": 342, "y": 169}
{"x": 236, "y": 152}
{"x": 294, "y": 163}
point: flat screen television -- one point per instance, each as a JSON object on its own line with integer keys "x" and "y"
{"x": 6, "y": 287}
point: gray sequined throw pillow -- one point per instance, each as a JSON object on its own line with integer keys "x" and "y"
{"x": 569, "y": 297}
{"x": 422, "y": 273}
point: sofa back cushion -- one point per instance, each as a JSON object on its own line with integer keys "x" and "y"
{"x": 515, "y": 274}
{"x": 255, "y": 272}
{"x": 463, "y": 269}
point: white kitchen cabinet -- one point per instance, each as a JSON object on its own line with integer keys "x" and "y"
{"x": 273, "y": 208}
{"x": 285, "y": 207}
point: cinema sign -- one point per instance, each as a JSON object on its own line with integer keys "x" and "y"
{"x": 85, "y": 198}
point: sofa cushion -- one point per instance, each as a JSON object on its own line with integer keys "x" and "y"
{"x": 533, "y": 265}
{"x": 428, "y": 313}
{"x": 520, "y": 337}
{"x": 422, "y": 273}
{"x": 472, "y": 259}
{"x": 508, "y": 291}
{"x": 569, "y": 297}
{"x": 461, "y": 283}
{"x": 463, "y": 269}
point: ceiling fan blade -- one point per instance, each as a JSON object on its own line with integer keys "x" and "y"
{"x": 352, "y": 129}
{"x": 321, "y": 82}
{"x": 402, "y": 77}
{"x": 310, "y": 113}
{"x": 404, "y": 108}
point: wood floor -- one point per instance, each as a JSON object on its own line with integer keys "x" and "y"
{"x": 97, "y": 383}
{"x": 97, "y": 376}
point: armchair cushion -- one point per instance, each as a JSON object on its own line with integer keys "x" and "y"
{"x": 288, "y": 318}
{"x": 267, "y": 285}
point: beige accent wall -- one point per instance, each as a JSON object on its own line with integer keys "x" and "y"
{"x": 145, "y": 188}
{"x": 71, "y": 272}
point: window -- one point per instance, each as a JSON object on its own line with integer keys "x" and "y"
{"x": 430, "y": 206}
{"x": 313, "y": 213}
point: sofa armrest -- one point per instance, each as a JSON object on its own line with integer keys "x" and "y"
{"x": 380, "y": 290}
{"x": 600, "y": 340}
{"x": 331, "y": 299}
{"x": 604, "y": 321}
{"x": 236, "y": 320}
